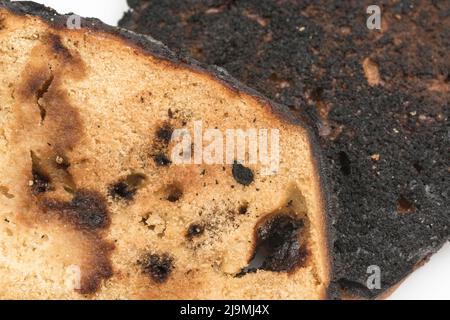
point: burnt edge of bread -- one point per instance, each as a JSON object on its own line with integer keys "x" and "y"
{"x": 157, "y": 49}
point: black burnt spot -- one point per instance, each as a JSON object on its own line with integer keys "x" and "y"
{"x": 164, "y": 134}
{"x": 158, "y": 267}
{"x": 127, "y": 188}
{"x": 345, "y": 163}
{"x": 173, "y": 193}
{"x": 121, "y": 190}
{"x": 195, "y": 230}
{"x": 162, "y": 160}
{"x": 161, "y": 143}
{"x": 41, "y": 181}
{"x": 280, "y": 246}
{"x": 241, "y": 174}
{"x": 87, "y": 210}
{"x": 243, "y": 209}
{"x": 58, "y": 47}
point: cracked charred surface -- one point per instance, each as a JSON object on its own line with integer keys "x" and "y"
{"x": 380, "y": 100}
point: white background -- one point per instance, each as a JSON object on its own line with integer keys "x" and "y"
{"x": 432, "y": 281}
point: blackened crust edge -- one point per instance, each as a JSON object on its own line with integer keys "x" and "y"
{"x": 152, "y": 47}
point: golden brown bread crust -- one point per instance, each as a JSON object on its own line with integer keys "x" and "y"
{"x": 72, "y": 156}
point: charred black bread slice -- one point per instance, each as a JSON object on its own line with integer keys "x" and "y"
{"x": 93, "y": 203}
{"x": 380, "y": 100}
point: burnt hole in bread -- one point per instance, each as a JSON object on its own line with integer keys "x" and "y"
{"x": 173, "y": 193}
{"x": 41, "y": 181}
{"x": 87, "y": 210}
{"x": 61, "y": 162}
{"x": 195, "y": 230}
{"x": 345, "y": 163}
{"x": 280, "y": 245}
{"x": 158, "y": 267}
{"x": 404, "y": 205}
{"x": 121, "y": 190}
{"x": 243, "y": 209}
{"x": 50, "y": 173}
{"x": 162, "y": 160}
{"x": 241, "y": 174}
{"x": 40, "y": 93}
{"x": 127, "y": 188}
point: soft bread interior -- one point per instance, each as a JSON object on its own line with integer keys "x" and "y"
{"x": 88, "y": 191}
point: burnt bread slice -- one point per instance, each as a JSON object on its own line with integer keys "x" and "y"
{"x": 94, "y": 200}
{"x": 380, "y": 99}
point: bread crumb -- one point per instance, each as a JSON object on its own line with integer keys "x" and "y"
{"x": 59, "y": 160}
{"x": 371, "y": 72}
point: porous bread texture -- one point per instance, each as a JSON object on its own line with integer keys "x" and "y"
{"x": 83, "y": 115}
